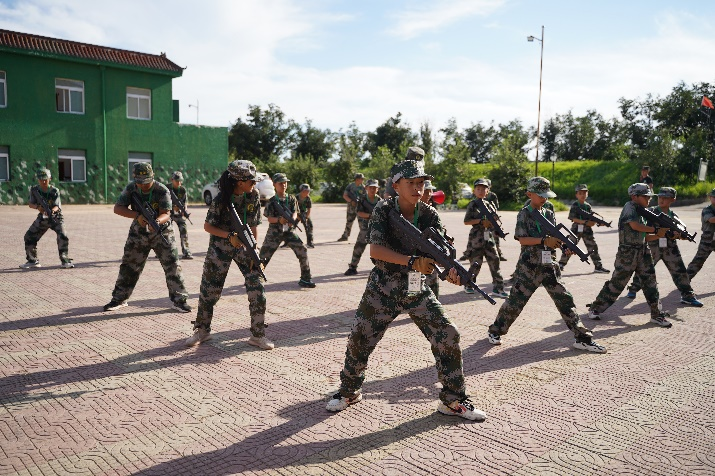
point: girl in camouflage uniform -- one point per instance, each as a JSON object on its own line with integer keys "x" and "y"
{"x": 237, "y": 186}
{"x": 393, "y": 287}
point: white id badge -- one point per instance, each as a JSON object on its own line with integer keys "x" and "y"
{"x": 487, "y": 235}
{"x": 414, "y": 282}
{"x": 662, "y": 242}
{"x": 580, "y": 228}
{"x": 286, "y": 228}
{"x": 546, "y": 257}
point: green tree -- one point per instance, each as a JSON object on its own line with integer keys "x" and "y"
{"x": 509, "y": 173}
{"x": 302, "y": 169}
{"x": 263, "y": 138}
{"x": 481, "y": 140}
{"x": 392, "y": 134}
{"x": 455, "y": 161}
{"x": 318, "y": 144}
{"x": 339, "y": 172}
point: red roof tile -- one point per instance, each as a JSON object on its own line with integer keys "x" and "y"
{"x": 25, "y": 41}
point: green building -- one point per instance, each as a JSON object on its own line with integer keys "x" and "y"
{"x": 89, "y": 112}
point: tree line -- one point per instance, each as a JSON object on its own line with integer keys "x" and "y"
{"x": 669, "y": 133}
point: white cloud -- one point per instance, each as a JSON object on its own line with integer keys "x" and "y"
{"x": 440, "y": 14}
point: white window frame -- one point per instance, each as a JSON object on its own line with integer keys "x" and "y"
{"x": 73, "y": 155}
{"x": 141, "y": 96}
{"x": 136, "y": 157}
{"x": 5, "y": 157}
{"x": 3, "y": 89}
{"x": 66, "y": 91}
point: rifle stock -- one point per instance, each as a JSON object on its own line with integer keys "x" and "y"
{"x": 286, "y": 214}
{"x": 149, "y": 215}
{"x": 246, "y": 236}
{"x": 489, "y": 212}
{"x": 561, "y": 233}
{"x": 662, "y": 220}
{"x": 176, "y": 202}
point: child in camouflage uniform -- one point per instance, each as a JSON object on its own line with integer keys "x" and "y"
{"x": 43, "y": 223}
{"x": 237, "y": 186}
{"x": 357, "y": 190}
{"x": 667, "y": 250}
{"x": 396, "y": 285}
{"x": 306, "y": 206}
{"x": 494, "y": 200}
{"x": 364, "y": 211}
{"x": 279, "y": 230}
{"x": 537, "y": 266}
{"x": 583, "y": 229}
{"x": 481, "y": 240}
{"x": 142, "y": 238}
{"x": 633, "y": 256}
{"x": 706, "y": 237}
{"x": 176, "y": 216}
{"x": 431, "y": 280}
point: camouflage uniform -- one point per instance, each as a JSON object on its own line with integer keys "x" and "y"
{"x": 633, "y": 256}
{"x": 707, "y": 240}
{"x": 547, "y": 205}
{"x": 40, "y": 226}
{"x": 306, "y": 204}
{"x": 275, "y": 235}
{"x": 358, "y": 191}
{"x": 531, "y": 273}
{"x": 361, "y": 242}
{"x": 670, "y": 254}
{"x": 218, "y": 260}
{"x": 386, "y": 297}
{"x": 481, "y": 246}
{"x": 586, "y": 234}
{"x": 140, "y": 242}
{"x": 180, "y": 221}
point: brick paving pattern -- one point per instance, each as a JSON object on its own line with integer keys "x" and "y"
{"x": 87, "y": 392}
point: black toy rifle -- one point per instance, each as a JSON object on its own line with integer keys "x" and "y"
{"x": 47, "y": 209}
{"x": 487, "y": 210}
{"x": 352, "y": 196}
{"x": 177, "y": 203}
{"x": 661, "y": 220}
{"x": 433, "y": 245}
{"x": 246, "y": 236}
{"x": 149, "y": 215}
{"x": 568, "y": 240}
{"x": 370, "y": 206}
{"x": 594, "y": 217}
{"x": 286, "y": 214}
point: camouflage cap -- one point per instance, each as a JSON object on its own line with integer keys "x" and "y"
{"x": 243, "y": 170}
{"x": 640, "y": 189}
{"x": 668, "y": 192}
{"x": 482, "y": 181}
{"x": 429, "y": 186}
{"x": 178, "y": 176}
{"x": 540, "y": 186}
{"x": 409, "y": 169}
{"x": 712, "y": 193}
{"x": 489, "y": 182}
{"x": 645, "y": 167}
{"x": 279, "y": 178}
{"x": 415, "y": 153}
{"x": 143, "y": 173}
{"x": 43, "y": 174}
{"x": 581, "y": 186}
{"x": 304, "y": 186}
{"x": 372, "y": 183}
{"x": 358, "y": 175}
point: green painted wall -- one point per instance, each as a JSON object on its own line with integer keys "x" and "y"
{"x": 33, "y": 130}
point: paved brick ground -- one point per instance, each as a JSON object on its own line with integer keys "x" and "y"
{"x": 86, "y": 392}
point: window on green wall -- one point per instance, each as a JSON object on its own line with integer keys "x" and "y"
{"x": 3, "y": 90}
{"x": 72, "y": 165}
{"x": 69, "y": 95}
{"x": 136, "y": 157}
{"x": 4, "y": 164}
{"x": 139, "y": 103}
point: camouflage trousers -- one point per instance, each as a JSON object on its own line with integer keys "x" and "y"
{"x": 674, "y": 262}
{"x": 360, "y": 244}
{"x": 497, "y": 241}
{"x": 432, "y": 282}
{"x": 704, "y": 249}
{"x": 38, "y": 228}
{"x": 136, "y": 251}
{"x": 183, "y": 234}
{"x": 384, "y": 299}
{"x": 630, "y": 260}
{"x": 309, "y": 230}
{"x": 591, "y": 246}
{"x": 482, "y": 249}
{"x": 218, "y": 260}
{"x": 351, "y": 216}
{"x": 528, "y": 276}
{"x": 274, "y": 237}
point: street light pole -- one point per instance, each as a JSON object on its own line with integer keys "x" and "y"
{"x": 538, "y": 120}
{"x": 197, "y": 110}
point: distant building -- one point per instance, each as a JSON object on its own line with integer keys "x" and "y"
{"x": 89, "y": 112}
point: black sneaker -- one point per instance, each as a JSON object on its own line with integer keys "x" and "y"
{"x": 188, "y": 256}
{"x": 343, "y": 238}
{"x": 501, "y": 258}
{"x": 601, "y": 269}
{"x": 351, "y": 271}
{"x": 182, "y": 306}
{"x": 113, "y": 305}
{"x": 306, "y": 283}
{"x": 311, "y": 245}
{"x": 589, "y": 345}
{"x": 494, "y": 339}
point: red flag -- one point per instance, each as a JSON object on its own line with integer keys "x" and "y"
{"x": 707, "y": 103}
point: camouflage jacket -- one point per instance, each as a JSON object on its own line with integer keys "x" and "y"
{"x": 627, "y": 235}
{"x": 290, "y": 203}
{"x": 181, "y": 195}
{"x": 708, "y": 228}
{"x": 52, "y": 196}
{"x": 357, "y": 190}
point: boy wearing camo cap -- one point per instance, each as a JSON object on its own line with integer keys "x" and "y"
{"x": 365, "y": 207}
{"x": 279, "y": 229}
{"x": 392, "y": 288}
{"x": 305, "y": 205}
{"x": 43, "y": 223}
{"x": 633, "y": 256}
{"x": 176, "y": 184}
{"x": 583, "y": 229}
{"x": 707, "y": 237}
{"x": 357, "y": 190}
{"x": 537, "y": 266}
{"x": 667, "y": 250}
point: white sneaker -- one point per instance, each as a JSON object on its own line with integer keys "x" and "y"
{"x": 31, "y": 264}
{"x": 67, "y": 265}
{"x": 261, "y": 342}
{"x": 463, "y": 408}
{"x": 596, "y": 316}
{"x": 200, "y": 335}
{"x": 661, "y": 320}
{"x": 494, "y": 339}
{"x": 591, "y": 346}
{"x": 339, "y": 403}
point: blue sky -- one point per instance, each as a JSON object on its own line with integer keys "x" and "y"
{"x": 336, "y": 62}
